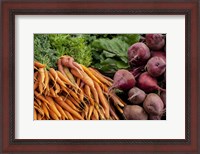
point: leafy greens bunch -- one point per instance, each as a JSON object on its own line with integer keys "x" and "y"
{"x": 110, "y": 55}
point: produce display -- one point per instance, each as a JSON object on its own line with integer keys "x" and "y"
{"x": 99, "y": 77}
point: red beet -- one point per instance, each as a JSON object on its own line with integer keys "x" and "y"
{"x": 138, "y": 54}
{"x": 155, "y": 41}
{"x": 156, "y": 66}
{"x": 160, "y": 54}
{"x": 153, "y": 104}
{"x": 136, "y": 95}
{"x": 123, "y": 80}
{"x": 134, "y": 112}
{"x": 148, "y": 83}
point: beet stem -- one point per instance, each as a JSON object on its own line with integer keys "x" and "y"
{"x": 162, "y": 89}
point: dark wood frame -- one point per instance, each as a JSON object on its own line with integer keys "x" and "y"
{"x": 7, "y": 68}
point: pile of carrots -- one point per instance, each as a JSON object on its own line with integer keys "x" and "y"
{"x": 73, "y": 92}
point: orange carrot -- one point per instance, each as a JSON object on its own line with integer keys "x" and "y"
{"x": 41, "y": 97}
{"x": 42, "y": 75}
{"x": 36, "y": 84}
{"x": 64, "y": 89}
{"x": 95, "y": 94}
{"x": 87, "y": 91}
{"x": 89, "y": 73}
{"x": 114, "y": 97}
{"x": 84, "y": 77}
{"x": 60, "y": 101}
{"x": 69, "y": 75}
{"x": 44, "y": 118}
{"x": 77, "y": 65}
{"x": 89, "y": 96}
{"x": 53, "y": 115}
{"x": 55, "y": 75}
{"x": 39, "y": 116}
{"x": 101, "y": 112}
{"x": 112, "y": 113}
{"x": 47, "y": 106}
{"x": 40, "y": 84}
{"x": 61, "y": 111}
{"x": 46, "y": 81}
{"x": 105, "y": 77}
{"x": 69, "y": 62}
{"x": 96, "y": 114}
{"x": 83, "y": 115}
{"x": 81, "y": 95}
{"x": 46, "y": 112}
{"x": 52, "y": 92}
{"x": 60, "y": 67}
{"x": 53, "y": 106}
{"x": 52, "y": 78}
{"x": 82, "y": 84}
{"x": 91, "y": 101}
{"x": 35, "y": 68}
{"x": 40, "y": 111}
{"x": 40, "y": 87}
{"x": 119, "y": 109}
{"x": 38, "y": 101}
{"x": 75, "y": 102}
{"x": 69, "y": 115}
{"x": 86, "y": 111}
{"x": 93, "y": 117}
{"x": 36, "y": 104}
{"x": 71, "y": 105}
{"x": 35, "y": 114}
{"x": 39, "y": 65}
{"x": 100, "y": 77}
{"x": 91, "y": 108}
{"x": 72, "y": 93}
{"x": 57, "y": 87}
{"x": 35, "y": 76}
{"x": 78, "y": 81}
{"x": 65, "y": 79}
{"x": 103, "y": 100}
{"x": 45, "y": 92}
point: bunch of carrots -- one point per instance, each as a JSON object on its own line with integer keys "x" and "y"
{"x": 73, "y": 92}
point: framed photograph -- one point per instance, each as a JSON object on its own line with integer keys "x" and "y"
{"x": 99, "y": 76}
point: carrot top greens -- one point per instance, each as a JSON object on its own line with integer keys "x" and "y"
{"x": 48, "y": 48}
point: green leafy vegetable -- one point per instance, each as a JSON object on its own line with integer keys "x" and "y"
{"x": 109, "y": 55}
{"x": 115, "y": 46}
{"x": 43, "y": 52}
{"x": 72, "y": 45}
{"x": 129, "y": 38}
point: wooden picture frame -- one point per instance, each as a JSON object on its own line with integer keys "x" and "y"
{"x": 10, "y": 8}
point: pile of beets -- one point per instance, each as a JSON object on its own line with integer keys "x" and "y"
{"x": 145, "y": 81}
